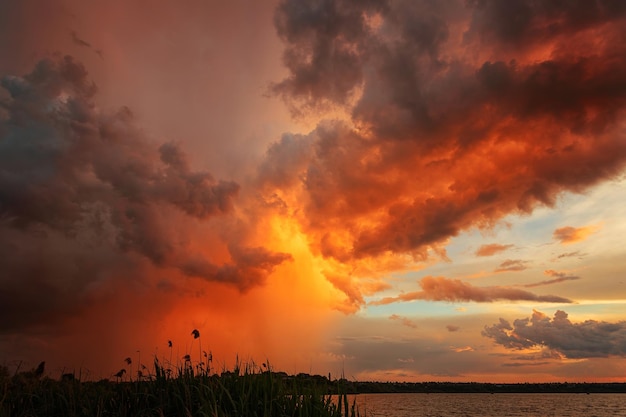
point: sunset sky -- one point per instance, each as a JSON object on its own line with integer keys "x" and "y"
{"x": 385, "y": 190}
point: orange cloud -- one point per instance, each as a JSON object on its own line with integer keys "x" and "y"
{"x": 463, "y": 349}
{"x": 454, "y": 290}
{"x": 512, "y": 265}
{"x": 496, "y": 132}
{"x": 451, "y": 127}
{"x": 569, "y": 234}
{"x": 492, "y": 249}
{"x": 354, "y": 296}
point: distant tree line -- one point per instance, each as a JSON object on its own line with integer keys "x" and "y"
{"x": 358, "y": 387}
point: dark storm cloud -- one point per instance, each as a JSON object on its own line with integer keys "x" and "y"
{"x": 85, "y": 196}
{"x": 588, "y": 339}
{"x": 523, "y": 22}
{"x": 443, "y": 142}
{"x": 325, "y": 47}
{"x": 250, "y": 267}
{"x": 290, "y": 155}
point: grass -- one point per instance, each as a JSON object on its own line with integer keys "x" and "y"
{"x": 246, "y": 390}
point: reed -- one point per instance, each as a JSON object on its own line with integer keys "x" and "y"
{"x": 245, "y": 390}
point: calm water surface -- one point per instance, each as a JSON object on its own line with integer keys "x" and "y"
{"x": 490, "y": 405}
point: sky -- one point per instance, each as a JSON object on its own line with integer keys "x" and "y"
{"x": 382, "y": 190}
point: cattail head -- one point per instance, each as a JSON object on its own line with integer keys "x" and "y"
{"x": 40, "y": 369}
{"x": 169, "y": 343}
{"x": 195, "y": 333}
{"x": 128, "y": 360}
{"x": 187, "y": 358}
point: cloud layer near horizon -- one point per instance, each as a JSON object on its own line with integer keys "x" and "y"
{"x": 588, "y": 339}
{"x": 454, "y": 290}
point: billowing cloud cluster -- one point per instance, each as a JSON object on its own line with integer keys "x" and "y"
{"x": 454, "y": 290}
{"x": 86, "y": 198}
{"x": 460, "y": 115}
{"x": 588, "y": 339}
{"x": 455, "y": 120}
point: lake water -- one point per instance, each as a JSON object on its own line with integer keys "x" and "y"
{"x": 490, "y": 405}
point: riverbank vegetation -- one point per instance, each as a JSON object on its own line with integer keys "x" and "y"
{"x": 246, "y": 390}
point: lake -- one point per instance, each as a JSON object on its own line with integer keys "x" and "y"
{"x": 490, "y": 405}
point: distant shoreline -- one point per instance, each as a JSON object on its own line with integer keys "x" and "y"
{"x": 477, "y": 387}
{"x": 345, "y": 386}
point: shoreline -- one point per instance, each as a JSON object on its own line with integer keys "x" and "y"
{"x": 483, "y": 388}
